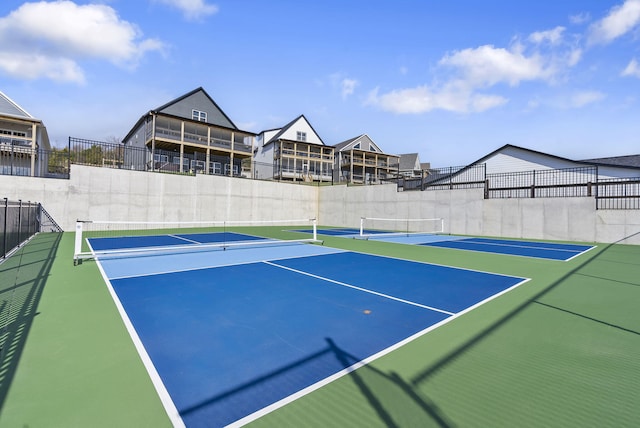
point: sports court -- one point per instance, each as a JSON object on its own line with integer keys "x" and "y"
{"x": 282, "y": 325}
{"x": 267, "y": 318}
{"x": 429, "y": 232}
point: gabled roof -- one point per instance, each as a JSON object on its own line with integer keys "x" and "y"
{"x": 632, "y": 161}
{"x": 508, "y": 146}
{"x": 352, "y": 142}
{"x": 290, "y": 125}
{"x": 9, "y": 108}
{"x": 629, "y": 161}
{"x": 215, "y": 116}
{"x": 408, "y": 161}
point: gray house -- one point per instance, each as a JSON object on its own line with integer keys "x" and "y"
{"x": 360, "y": 161}
{"x": 190, "y": 134}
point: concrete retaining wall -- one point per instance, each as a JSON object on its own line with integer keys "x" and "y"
{"x": 109, "y": 194}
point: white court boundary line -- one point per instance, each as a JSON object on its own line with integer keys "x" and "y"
{"x": 172, "y": 411}
{"x": 156, "y": 380}
{"x": 311, "y": 388}
{"x": 427, "y": 244}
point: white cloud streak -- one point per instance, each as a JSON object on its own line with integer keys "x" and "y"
{"x": 581, "y": 99}
{"x": 348, "y": 87}
{"x": 619, "y": 21}
{"x": 632, "y": 69}
{"x": 552, "y": 37}
{"x": 35, "y": 46}
{"x": 192, "y": 10}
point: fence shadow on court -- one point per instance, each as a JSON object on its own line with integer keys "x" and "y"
{"x": 606, "y": 255}
{"x": 387, "y": 394}
{"x": 23, "y": 277}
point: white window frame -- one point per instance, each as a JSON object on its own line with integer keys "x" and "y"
{"x": 301, "y": 136}
{"x": 200, "y": 116}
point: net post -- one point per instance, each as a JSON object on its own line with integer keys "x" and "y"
{"x": 361, "y": 226}
{"x": 315, "y": 229}
{"x": 78, "y": 242}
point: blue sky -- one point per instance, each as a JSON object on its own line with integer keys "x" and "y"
{"x": 451, "y": 80}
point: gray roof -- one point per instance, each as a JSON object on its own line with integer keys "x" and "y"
{"x": 629, "y": 160}
{"x": 289, "y": 125}
{"x": 408, "y": 161}
{"x": 10, "y": 108}
{"x": 345, "y": 143}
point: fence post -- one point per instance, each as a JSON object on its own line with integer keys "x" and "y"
{"x": 533, "y": 184}
{"x": 19, "y": 220}
{"x": 4, "y": 228}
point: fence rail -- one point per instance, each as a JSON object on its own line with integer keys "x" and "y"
{"x": 19, "y": 221}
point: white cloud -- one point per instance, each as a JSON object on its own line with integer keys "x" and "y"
{"x": 192, "y": 9}
{"x": 620, "y": 20}
{"x": 632, "y": 69}
{"x": 348, "y": 87}
{"x": 488, "y": 66}
{"x": 34, "y": 66}
{"x": 581, "y": 99}
{"x": 469, "y": 72}
{"x": 35, "y": 42}
{"x": 552, "y": 37}
{"x": 423, "y": 99}
{"x": 580, "y": 18}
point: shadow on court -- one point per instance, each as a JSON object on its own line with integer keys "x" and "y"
{"x": 22, "y": 278}
{"x": 387, "y": 394}
{"x": 598, "y": 296}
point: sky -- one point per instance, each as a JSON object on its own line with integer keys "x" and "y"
{"x": 450, "y": 80}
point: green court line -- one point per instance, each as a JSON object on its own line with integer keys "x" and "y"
{"x": 560, "y": 350}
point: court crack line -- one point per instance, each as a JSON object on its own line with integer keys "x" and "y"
{"x": 344, "y": 284}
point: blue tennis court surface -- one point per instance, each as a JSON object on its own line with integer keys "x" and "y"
{"x": 126, "y": 242}
{"x": 232, "y": 333}
{"x": 544, "y": 250}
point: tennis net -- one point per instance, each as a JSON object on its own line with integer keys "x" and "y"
{"x": 372, "y": 227}
{"x": 109, "y": 239}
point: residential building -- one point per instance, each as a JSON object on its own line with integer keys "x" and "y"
{"x": 24, "y": 142}
{"x": 410, "y": 166}
{"x": 190, "y": 134}
{"x": 294, "y": 152}
{"x": 360, "y": 161}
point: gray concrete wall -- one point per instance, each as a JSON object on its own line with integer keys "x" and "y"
{"x": 109, "y": 194}
{"x": 466, "y": 212}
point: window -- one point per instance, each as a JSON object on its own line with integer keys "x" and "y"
{"x": 301, "y": 136}
{"x": 200, "y": 116}
{"x": 215, "y": 168}
{"x": 357, "y": 146}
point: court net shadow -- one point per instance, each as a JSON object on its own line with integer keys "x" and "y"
{"x": 22, "y": 278}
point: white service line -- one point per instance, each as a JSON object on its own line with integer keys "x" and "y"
{"x": 408, "y": 302}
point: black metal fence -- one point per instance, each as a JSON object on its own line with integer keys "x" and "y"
{"x": 618, "y": 194}
{"x": 19, "y": 221}
{"x": 448, "y": 178}
{"x": 550, "y": 183}
{"x": 621, "y": 193}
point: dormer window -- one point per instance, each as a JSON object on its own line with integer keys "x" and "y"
{"x": 301, "y": 136}
{"x": 200, "y": 116}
